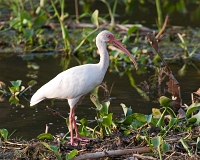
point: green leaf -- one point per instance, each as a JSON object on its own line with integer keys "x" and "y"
{"x": 71, "y": 154}
{"x": 13, "y": 99}
{"x": 133, "y": 29}
{"x": 28, "y": 33}
{"x": 197, "y": 145}
{"x": 107, "y": 120}
{"x": 149, "y": 118}
{"x": 192, "y": 120}
{"x": 94, "y": 18}
{"x": 14, "y": 89}
{"x": 160, "y": 121}
{"x": 105, "y": 108}
{"x": 156, "y": 113}
{"x": 47, "y": 146}
{"x": 156, "y": 141}
{"x": 197, "y": 116}
{"x": 84, "y": 121}
{"x": 164, "y": 101}
{"x": 47, "y": 136}
{"x": 172, "y": 122}
{"x": 127, "y": 132}
{"x": 96, "y": 102}
{"x": 165, "y": 146}
{"x": 39, "y": 21}
{"x": 4, "y": 134}
{"x": 128, "y": 120}
{"x": 185, "y": 145}
{"x": 16, "y": 83}
{"x": 32, "y": 83}
{"x": 25, "y": 15}
{"x": 193, "y": 107}
{"x": 127, "y": 111}
{"x": 140, "y": 117}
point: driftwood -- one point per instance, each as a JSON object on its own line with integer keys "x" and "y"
{"x": 113, "y": 153}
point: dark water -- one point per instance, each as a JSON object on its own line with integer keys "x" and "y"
{"x": 146, "y": 14}
{"x": 29, "y": 122}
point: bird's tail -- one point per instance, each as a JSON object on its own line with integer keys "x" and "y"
{"x": 36, "y": 98}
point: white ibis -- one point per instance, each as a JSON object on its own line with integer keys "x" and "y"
{"x": 75, "y": 82}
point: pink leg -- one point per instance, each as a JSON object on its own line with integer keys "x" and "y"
{"x": 71, "y": 122}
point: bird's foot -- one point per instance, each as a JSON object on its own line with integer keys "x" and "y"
{"x": 73, "y": 143}
{"x": 85, "y": 139}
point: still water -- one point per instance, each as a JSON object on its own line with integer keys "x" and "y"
{"x": 30, "y": 122}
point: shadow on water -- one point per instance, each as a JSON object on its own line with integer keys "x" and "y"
{"x": 30, "y": 122}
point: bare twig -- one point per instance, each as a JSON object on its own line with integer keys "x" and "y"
{"x": 163, "y": 27}
{"x": 113, "y": 153}
{"x": 142, "y": 157}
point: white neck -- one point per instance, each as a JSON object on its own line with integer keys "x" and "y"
{"x": 104, "y": 57}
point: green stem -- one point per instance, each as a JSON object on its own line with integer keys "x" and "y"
{"x": 159, "y": 12}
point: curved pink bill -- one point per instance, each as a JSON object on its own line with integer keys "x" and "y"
{"x": 122, "y": 48}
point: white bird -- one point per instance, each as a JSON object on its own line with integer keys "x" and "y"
{"x": 75, "y": 82}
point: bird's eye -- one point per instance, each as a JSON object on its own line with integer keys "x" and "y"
{"x": 108, "y": 35}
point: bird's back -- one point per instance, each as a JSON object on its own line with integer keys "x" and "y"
{"x": 70, "y": 84}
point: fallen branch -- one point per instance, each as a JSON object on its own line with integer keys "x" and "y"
{"x": 113, "y": 153}
{"x": 142, "y": 157}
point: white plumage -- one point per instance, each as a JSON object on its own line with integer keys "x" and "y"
{"x": 75, "y": 82}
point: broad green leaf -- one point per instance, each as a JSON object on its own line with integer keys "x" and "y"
{"x": 136, "y": 123}
{"x": 25, "y": 15}
{"x": 125, "y": 39}
{"x": 197, "y": 116}
{"x": 13, "y": 99}
{"x": 140, "y": 117}
{"x": 71, "y": 154}
{"x": 16, "y": 83}
{"x": 164, "y": 101}
{"x": 47, "y": 136}
{"x": 165, "y": 146}
{"x": 4, "y": 134}
{"x": 84, "y": 121}
{"x": 105, "y": 108}
{"x": 192, "y": 120}
{"x": 133, "y": 29}
{"x": 39, "y": 21}
{"x": 156, "y": 141}
{"x": 127, "y": 132}
{"x": 14, "y": 89}
{"x": 32, "y": 83}
{"x": 54, "y": 148}
{"x": 149, "y": 118}
{"x": 156, "y": 113}
{"x": 192, "y": 108}
{"x": 28, "y": 33}
{"x": 134, "y": 50}
{"x": 127, "y": 111}
{"x": 107, "y": 120}
{"x": 128, "y": 120}
{"x": 94, "y": 18}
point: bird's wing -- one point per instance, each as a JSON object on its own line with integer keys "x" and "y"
{"x": 70, "y": 84}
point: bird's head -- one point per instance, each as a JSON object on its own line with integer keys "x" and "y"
{"x": 107, "y": 37}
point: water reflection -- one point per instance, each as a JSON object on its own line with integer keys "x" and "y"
{"x": 29, "y": 122}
